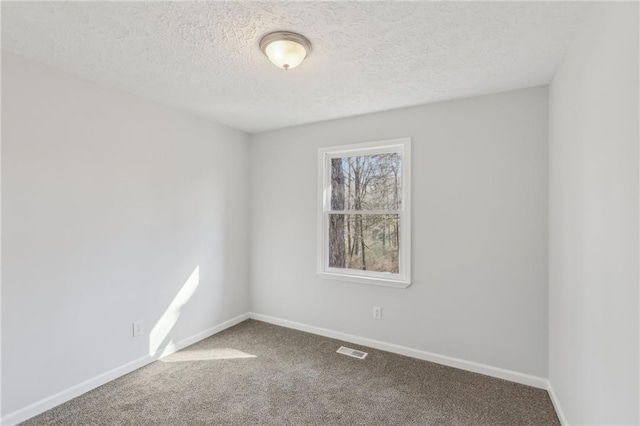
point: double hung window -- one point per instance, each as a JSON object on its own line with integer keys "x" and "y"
{"x": 364, "y": 222}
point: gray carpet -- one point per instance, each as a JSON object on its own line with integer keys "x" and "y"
{"x": 260, "y": 374}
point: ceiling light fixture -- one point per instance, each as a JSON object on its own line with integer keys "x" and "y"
{"x": 285, "y": 49}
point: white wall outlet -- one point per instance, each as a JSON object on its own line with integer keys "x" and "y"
{"x": 377, "y": 312}
{"x": 138, "y": 328}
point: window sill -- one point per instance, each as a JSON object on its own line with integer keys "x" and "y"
{"x": 365, "y": 280}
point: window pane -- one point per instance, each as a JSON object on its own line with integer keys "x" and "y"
{"x": 364, "y": 242}
{"x": 366, "y": 182}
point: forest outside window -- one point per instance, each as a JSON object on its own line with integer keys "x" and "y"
{"x": 364, "y": 223}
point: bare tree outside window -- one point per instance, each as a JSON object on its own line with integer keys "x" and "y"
{"x": 366, "y": 196}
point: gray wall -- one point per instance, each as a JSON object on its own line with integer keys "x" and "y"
{"x": 593, "y": 221}
{"x": 109, "y": 205}
{"x": 479, "y": 289}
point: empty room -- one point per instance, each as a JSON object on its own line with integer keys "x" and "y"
{"x": 320, "y": 213}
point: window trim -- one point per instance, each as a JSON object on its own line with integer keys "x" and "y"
{"x": 403, "y": 278}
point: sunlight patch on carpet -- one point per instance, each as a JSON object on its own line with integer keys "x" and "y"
{"x": 206, "y": 355}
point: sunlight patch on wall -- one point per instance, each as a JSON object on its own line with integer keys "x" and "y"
{"x": 170, "y": 316}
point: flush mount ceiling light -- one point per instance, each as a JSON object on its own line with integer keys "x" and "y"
{"x": 284, "y": 49}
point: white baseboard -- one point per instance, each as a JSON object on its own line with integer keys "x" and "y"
{"x": 99, "y": 380}
{"x": 462, "y": 364}
{"x": 556, "y": 404}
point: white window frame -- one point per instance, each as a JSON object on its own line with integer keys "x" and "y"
{"x": 325, "y": 154}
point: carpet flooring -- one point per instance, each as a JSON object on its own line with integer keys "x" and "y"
{"x": 260, "y": 374}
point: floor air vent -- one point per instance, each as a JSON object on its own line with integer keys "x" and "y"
{"x": 352, "y": 352}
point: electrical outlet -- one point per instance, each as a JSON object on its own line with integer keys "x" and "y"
{"x": 138, "y": 328}
{"x": 377, "y": 312}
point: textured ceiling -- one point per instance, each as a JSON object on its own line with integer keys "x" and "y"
{"x": 367, "y": 56}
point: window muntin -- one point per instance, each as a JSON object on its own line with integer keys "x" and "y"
{"x": 364, "y": 223}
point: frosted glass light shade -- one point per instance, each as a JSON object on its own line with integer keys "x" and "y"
{"x": 284, "y": 49}
{"x": 285, "y": 54}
